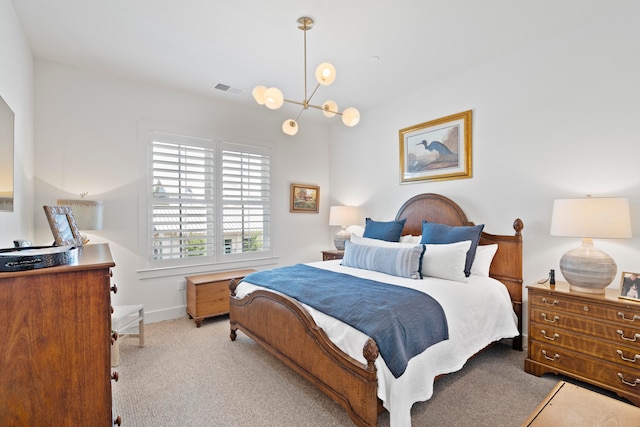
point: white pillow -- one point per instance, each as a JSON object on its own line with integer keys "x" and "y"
{"x": 446, "y": 261}
{"x": 483, "y": 259}
{"x": 410, "y": 239}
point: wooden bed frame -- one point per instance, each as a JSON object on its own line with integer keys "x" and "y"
{"x": 285, "y": 329}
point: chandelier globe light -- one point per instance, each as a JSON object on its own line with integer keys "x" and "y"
{"x": 325, "y": 74}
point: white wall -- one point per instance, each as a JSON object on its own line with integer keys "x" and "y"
{"x": 87, "y": 141}
{"x": 16, "y": 88}
{"x": 555, "y": 120}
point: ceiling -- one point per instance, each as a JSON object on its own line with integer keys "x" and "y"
{"x": 380, "y": 49}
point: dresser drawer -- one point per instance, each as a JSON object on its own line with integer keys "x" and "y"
{"x": 606, "y": 350}
{"x": 604, "y": 374}
{"x": 625, "y": 314}
{"x": 614, "y": 332}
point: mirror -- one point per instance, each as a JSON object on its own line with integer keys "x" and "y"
{"x": 6, "y": 157}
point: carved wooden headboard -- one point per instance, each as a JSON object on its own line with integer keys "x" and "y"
{"x": 507, "y": 263}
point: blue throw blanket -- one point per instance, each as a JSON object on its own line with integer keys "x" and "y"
{"x": 403, "y": 322}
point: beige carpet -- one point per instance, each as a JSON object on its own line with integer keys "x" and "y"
{"x": 188, "y": 376}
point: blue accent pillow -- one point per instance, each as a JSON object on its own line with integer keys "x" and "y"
{"x": 440, "y": 233}
{"x": 389, "y": 231}
{"x": 401, "y": 262}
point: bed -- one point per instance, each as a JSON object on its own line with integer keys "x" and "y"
{"x": 290, "y": 330}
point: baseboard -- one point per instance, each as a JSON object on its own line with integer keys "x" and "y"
{"x": 165, "y": 314}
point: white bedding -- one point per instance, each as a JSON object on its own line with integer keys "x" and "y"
{"x": 478, "y": 313}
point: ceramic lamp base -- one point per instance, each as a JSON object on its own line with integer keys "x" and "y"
{"x": 588, "y": 269}
{"x": 339, "y": 239}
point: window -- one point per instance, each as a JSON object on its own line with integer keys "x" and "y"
{"x": 210, "y": 201}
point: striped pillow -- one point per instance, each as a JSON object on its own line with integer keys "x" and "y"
{"x": 401, "y": 262}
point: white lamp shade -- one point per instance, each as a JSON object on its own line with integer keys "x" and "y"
{"x": 329, "y": 108}
{"x": 258, "y": 94}
{"x": 350, "y": 116}
{"x": 325, "y": 74}
{"x": 87, "y": 213}
{"x": 344, "y": 215}
{"x": 290, "y": 127}
{"x": 592, "y": 217}
{"x": 273, "y": 98}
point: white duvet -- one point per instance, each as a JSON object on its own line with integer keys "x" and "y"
{"x": 478, "y": 313}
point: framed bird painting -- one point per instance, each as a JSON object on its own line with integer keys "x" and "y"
{"x": 436, "y": 150}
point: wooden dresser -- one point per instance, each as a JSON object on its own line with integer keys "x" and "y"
{"x": 594, "y": 338}
{"x": 56, "y": 337}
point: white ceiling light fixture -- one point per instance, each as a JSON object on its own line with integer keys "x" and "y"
{"x": 273, "y": 98}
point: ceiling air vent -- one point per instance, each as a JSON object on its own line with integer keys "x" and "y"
{"x": 226, "y": 88}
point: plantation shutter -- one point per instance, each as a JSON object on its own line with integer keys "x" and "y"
{"x": 245, "y": 199}
{"x": 183, "y": 214}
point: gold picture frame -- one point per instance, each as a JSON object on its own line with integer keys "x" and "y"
{"x": 436, "y": 150}
{"x": 304, "y": 198}
{"x": 630, "y": 286}
{"x": 63, "y": 226}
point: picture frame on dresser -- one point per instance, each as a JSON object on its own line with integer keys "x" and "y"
{"x": 63, "y": 226}
{"x": 630, "y": 286}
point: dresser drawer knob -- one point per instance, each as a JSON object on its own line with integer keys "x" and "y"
{"x": 636, "y": 337}
{"x": 554, "y": 302}
{"x": 117, "y": 421}
{"x": 554, "y": 320}
{"x": 633, "y": 319}
{"x": 114, "y": 289}
{"x": 553, "y": 338}
{"x": 115, "y": 376}
{"x": 626, "y": 359}
{"x": 631, "y": 384}
{"x": 555, "y": 356}
{"x": 585, "y": 308}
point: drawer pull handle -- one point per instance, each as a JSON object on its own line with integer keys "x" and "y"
{"x": 553, "y": 338}
{"x": 635, "y": 317}
{"x": 555, "y": 318}
{"x": 585, "y": 308}
{"x": 635, "y": 337}
{"x": 633, "y": 384}
{"x": 555, "y": 302}
{"x": 626, "y": 359}
{"x": 555, "y": 356}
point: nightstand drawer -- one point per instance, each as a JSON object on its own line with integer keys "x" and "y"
{"x": 610, "y": 351}
{"x": 329, "y": 255}
{"x": 616, "y": 333}
{"x": 627, "y": 314}
{"x": 604, "y": 374}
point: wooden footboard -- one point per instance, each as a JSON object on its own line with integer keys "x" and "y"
{"x": 284, "y": 328}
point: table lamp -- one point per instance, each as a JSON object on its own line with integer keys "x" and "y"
{"x": 343, "y": 216}
{"x": 87, "y": 213}
{"x": 586, "y": 268}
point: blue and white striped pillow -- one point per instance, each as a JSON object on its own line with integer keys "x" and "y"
{"x": 401, "y": 262}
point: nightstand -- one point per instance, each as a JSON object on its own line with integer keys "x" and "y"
{"x": 332, "y": 254}
{"x": 594, "y": 338}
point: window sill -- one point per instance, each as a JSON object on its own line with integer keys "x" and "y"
{"x": 154, "y": 273}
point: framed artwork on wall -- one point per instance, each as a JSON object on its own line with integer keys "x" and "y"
{"x": 304, "y": 198}
{"x": 630, "y": 286}
{"x": 63, "y": 226}
{"x": 436, "y": 150}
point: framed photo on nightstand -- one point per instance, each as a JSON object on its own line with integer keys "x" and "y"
{"x": 630, "y": 286}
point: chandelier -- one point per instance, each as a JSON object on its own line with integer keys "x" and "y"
{"x": 273, "y": 98}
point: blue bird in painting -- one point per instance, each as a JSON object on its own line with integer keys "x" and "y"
{"x": 435, "y": 146}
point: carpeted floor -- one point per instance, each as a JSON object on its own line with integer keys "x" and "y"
{"x": 188, "y": 376}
